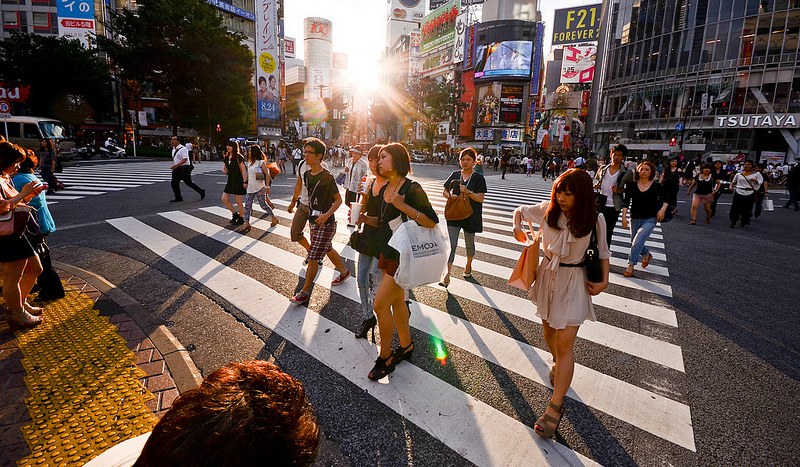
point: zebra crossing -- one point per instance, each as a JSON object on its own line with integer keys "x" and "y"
{"x": 480, "y": 432}
{"x": 99, "y": 179}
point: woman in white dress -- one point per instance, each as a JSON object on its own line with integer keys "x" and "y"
{"x": 561, "y": 293}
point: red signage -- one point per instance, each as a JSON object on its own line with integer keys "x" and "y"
{"x": 318, "y": 27}
{"x": 289, "y": 47}
{"x": 17, "y": 94}
{"x": 77, "y": 23}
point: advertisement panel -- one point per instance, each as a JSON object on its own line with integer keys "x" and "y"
{"x": 232, "y": 9}
{"x": 488, "y": 104}
{"x": 507, "y": 134}
{"x": 319, "y": 81}
{"x": 504, "y": 58}
{"x": 434, "y": 4}
{"x": 467, "y": 97}
{"x": 339, "y": 61}
{"x": 578, "y": 64}
{"x": 406, "y": 10}
{"x": 537, "y": 60}
{"x": 458, "y": 43}
{"x": 577, "y": 24}
{"x": 267, "y": 55}
{"x": 439, "y": 27}
{"x": 289, "y": 47}
{"x": 436, "y": 60}
{"x": 511, "y": 103}
{"x": 414, "y": 67}
{"x": 76, "y": 19}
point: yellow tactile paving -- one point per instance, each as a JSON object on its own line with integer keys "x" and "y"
{"x": 85, "y": 393}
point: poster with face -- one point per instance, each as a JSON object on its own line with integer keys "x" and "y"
{"x": 489, "y": 104}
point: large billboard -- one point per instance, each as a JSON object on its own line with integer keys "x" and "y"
{"x": 577, "y": 65}
{"x": 458, "y": 43}
{"x": 504, "y": 58}
{"x": 439, "y": 27}
{"x": 577, "y": 24}
{"x": 511, "y": 97}
{"x": 76, "y": 19}
{"x": 406, "y": 10}
{"x": 268, "y": 58}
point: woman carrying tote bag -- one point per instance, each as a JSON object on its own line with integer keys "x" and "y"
{"x": 400, "y": 197}
{"x": 465, "y": 181}
{"x": 561, "y": 293}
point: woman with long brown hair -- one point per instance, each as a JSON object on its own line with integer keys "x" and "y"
{"x": 233, "y": 167}
{"x": 561, "y": 293}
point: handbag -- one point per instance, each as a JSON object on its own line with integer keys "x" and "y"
{"x": 15, "y": 221}
{"x": 459, "y": 208}
{"x": 591, "y": 261}
{"x": 599, "y": 201}
{"x": 769, "y": 205}
{"x": 524, "y": 273}
{"x": 423, "y": 254}
{"x": 340, "y": 178}
{"x": 274, "y": 170}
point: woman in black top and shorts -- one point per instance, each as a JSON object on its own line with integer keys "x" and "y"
{"x": 400, "y": 197}
{"x": 646, "y": 199}
{"x": 20, "y": 264}
{"x": 706, "y": 186}
{"x": 237, "y": 177}
{"x": 671, "y": 180}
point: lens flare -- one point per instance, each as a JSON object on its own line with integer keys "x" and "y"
{"x": 441, "y": 352}
{"x": 314, "y": 111}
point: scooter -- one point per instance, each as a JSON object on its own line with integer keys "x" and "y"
{"x": 111, "y": 150}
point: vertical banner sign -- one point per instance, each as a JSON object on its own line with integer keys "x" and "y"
{"x": 458, "y": 44}
{"x": 267, "y": 55}
{"x": 585, "y": 96}
{"x": 511, "y": 103}
{"x": 76, "y": 19}
{"x": 537, "y": 59}
{"x": 468, "y": 114}
{"x": 414, "y": 67}
{"x": 469, "y": 47}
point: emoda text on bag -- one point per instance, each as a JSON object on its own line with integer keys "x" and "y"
{"x": 422, "y": 250}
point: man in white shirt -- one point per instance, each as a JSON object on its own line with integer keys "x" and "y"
{"x": 297, "y": 158}
{"x": 611, "y": 179}
{"x": 193, "y": 156}
{"x": 356, "y": 168}
{"x": 182, "y": 170}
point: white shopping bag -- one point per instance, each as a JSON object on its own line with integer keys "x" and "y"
{"x": 769, "y": 205}
{"x": 423, "y": 254}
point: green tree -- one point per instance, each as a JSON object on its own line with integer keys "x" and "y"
{"x": 66, "y": 80}
{"x": 432, "y": 100}
{"x": 182, "y": 48}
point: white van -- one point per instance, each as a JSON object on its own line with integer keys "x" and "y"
{"x": 29, "y": 131}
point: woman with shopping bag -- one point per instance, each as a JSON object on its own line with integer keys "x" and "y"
{"x": 561, "y": 293}
{"x": 402, "y": 201}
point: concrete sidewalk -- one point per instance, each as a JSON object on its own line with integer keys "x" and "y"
{"x": 98, "y": 371}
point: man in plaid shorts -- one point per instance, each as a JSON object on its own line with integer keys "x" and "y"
{"x": 323, "y": 201}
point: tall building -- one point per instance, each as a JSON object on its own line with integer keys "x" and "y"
{"x": 727, "y": 72}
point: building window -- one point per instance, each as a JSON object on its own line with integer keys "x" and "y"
{"x": 10, "y": 18}
{"x": 41, "y": 19}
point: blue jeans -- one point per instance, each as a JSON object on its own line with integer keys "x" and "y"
{"x": 640, "y": 232}
{"x": 369, "y": 278}
{"x": 469, "y": 239}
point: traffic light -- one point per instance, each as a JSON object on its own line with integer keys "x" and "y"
{"x": 672, "y": 141}
{"x": 219, "y": 128}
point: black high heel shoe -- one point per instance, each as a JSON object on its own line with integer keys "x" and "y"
{"x": 403, "y": 353}
{"x": 368, "y": 324}
{"x": 381, "y": 367}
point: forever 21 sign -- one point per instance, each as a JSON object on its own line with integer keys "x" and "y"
{"x": 757, "y": 121}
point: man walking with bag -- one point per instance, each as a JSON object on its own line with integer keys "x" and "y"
{"x": 182, "y": 170}
{"x": 611, "y": 180}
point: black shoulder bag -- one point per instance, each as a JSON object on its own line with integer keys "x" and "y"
{"x": 591, "y": 261}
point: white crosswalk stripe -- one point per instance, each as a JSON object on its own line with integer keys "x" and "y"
{"x": 94, "y": 180}
{"x": 479, "y": 432}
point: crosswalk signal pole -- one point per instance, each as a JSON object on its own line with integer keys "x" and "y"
{"x": 133, "y": 129}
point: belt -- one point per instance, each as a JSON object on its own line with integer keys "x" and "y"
{"x": 567, "y": 265}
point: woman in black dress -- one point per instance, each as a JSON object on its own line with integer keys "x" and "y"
{"x": 237, "y": 178}
{"x": 671, "y": 181}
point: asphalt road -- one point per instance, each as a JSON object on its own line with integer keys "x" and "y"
{"x": 734, "y": 294}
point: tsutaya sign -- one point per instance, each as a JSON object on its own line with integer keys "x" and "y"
{"x": 758, "y": 121}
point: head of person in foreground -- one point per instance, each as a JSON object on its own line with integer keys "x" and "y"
{"x": 243, "y": 414}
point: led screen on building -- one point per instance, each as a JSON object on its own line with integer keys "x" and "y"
{"x": 504, "y": 58}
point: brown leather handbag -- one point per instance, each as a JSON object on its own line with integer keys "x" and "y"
{"x": 459, "y": 208}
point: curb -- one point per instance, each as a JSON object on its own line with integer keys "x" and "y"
{"x": 180, "y": 364}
